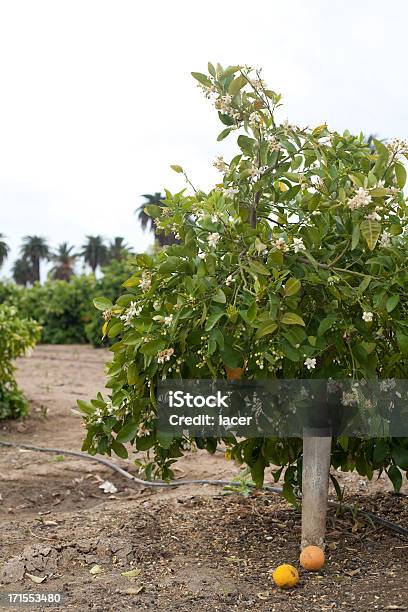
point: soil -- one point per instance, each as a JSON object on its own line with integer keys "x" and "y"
{"x": 193, "y": 547}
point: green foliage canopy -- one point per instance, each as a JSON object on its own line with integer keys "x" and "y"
{"x": 293, "y": 266}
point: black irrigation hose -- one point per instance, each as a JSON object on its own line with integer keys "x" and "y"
{"x": 223, "y": 483}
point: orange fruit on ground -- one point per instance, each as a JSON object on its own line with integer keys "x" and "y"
{"x": 234, "y": 373}
{"x": 312, "y": 558}
{"x": 285, "y": 576}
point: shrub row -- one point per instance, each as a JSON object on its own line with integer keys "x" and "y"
{"x": 65, "y": 310}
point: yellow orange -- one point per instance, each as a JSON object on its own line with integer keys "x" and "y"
{"x": 285, "y": 576}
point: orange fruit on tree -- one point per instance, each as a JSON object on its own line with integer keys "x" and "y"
{"x": 285, "y": 576}
{"x": 234, "y": 373}
{"x": 312, "y": 558}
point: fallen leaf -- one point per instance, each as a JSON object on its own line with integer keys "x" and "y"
{"x": 264, "y": 595}
{"x": 131, "y": 573}
{"x": 394, "y": 607}
{"x": 96, "y": 569}
{"x": 135, "y": 591}
{"x": 36, "y": 579}
{"x": 108, "y": 487}
{"x": 352, "y": 572}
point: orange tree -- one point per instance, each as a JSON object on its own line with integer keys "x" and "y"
{"x": 293, "y": 266}
{"x": 17, "y": 336}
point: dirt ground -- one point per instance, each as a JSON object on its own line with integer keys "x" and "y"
{"x": 187, "y": 548}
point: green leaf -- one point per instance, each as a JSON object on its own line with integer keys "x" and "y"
{"x": 371, "y": 231}
{"x": 402, "y": 340}
{"x": 290, "y": 352}
{"x": 392, "y": 302}
{"x": 85, "y": 407}
{"x": 170, "y": 264}
{"x": 115, "y": 329}
{"x": 152, "y": 348}
{"x": 355, "y": 238}
{"x": 336, "y": 486}
{"x": 396, "y": 477}
{"x": 380, "y": 451}
{"x": 258, "y": 471}
{"x": 213, "y": 319}
{"x": 202, "y": 78}
{"x": 102, "y": 303}
{"x": 291, "y": 318}
{"x": 379, "y": 192}
{"x": 177, "y": 168}
{"x": 236, "y": 85}
{"x": 145, "y": 442}
{"x": 289, "y": 494}
{"x": 219, "y": 296}
{"x": 231, "y": 357}
{"x": 224, "y": 134}
{"x": 364, "y": 284}
{"x": 119, "y": 449}
{"x": 400, "y": 174}
{"x": 292, "y": 286}
{"x": 258, "y": 268}
{"x": 246, "y": 144}
{"x": 153, "y": 210}
{"x": 400, "y": 456}
{"x": 132, "y": 374}
{"x": 326, "y": 324}
{"x": 267, "y": 327}
{"x": 127, "y": 433}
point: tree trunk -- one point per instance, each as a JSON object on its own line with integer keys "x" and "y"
{"x": 315, "y": 484}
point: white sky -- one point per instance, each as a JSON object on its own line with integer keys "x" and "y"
{"x": 96, "y": 97}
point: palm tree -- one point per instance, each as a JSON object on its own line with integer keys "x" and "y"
{"x": 4, "y": 250}
{"x": 22, "y": 271}
{"x": 64, "y": 260}
{"x": 147, "y": 222}
{"x": 33, "y": 250}
{"x": 118, "y": 249}
{"x": 95, "y": 252}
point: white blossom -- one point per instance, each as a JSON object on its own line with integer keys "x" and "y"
{"x": 230, "y": 279}
{"x": 367, "y": 316}
{"x": 361, "y": 198}
{"x": 132, "y": 311}
{"x": 385, "y": 239}
{"x": 310, "y": 363}
{"x": 165, "y": 355}
{"x": 255, "y": 172}
{"x": 145, "y": 283}
{"x": 254, "y": 120}
{"x": 201, "y": 254}
{"x": 107, "y": 314}
{"x": 213, "y": 239}
{"x": 373, "y": 216}
{"x": 168, "y": 320}
{"x": 220, "y": 164}
{"x": 142, "y": 431}
{"x": 230, "y": 192}
{"x": 397, "y": 146}
{"x": 273, "y": 144}
{"x": 298, "y": 245}
{"x": 280, "y": 244}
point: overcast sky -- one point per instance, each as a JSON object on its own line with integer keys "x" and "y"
{"x": 96, "y": 97}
